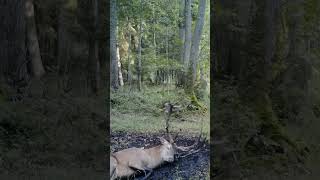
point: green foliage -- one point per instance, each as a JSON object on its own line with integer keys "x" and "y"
{"x": 160, "y": 33}
{"x": 143, "y": 111}
{"x": 311, "y": 15}
{"x": 150, "y": 101}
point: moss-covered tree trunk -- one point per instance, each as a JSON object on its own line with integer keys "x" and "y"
{"x": 197, "y": 34}
{"x": 187, "y": 41}
{"x": 194, "y": 53}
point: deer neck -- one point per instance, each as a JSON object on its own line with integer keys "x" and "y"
{"x": 155, "y": 158}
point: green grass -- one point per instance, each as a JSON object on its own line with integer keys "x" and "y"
{"x": 142, "y": 112}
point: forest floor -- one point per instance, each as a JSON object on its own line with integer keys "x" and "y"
{"x": 53, "y": 136}
{"x": 137, "y": 120}
{"x": 235, "y": 123}
{"x": 194, "y": 166}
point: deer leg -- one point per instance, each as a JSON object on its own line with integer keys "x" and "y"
{"x": 149, "y": 173}
{"x": 138, "y": 169}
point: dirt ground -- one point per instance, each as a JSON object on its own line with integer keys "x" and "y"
{"x": 194, "y": 166}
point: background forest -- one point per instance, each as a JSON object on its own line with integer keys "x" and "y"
{"x": 156, "y": 44}
{"x": 160, "y": 53}
{"x": 54, "y": 83}
{"x": 266, "y": 89}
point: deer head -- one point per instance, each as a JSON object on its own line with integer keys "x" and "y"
{"x": 167, "y": 150}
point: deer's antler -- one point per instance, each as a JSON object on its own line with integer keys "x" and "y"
{"x": 187, "y": 148}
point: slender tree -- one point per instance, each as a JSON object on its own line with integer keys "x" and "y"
{"x": 194, "y": 53}
{"x": 63, "y": 39}
{"x": 32, "y": 41}
{"x": 12, "y": 41}
{"x": 119, "y": 68}
{"x": 113, "y": 45}
{"x": 182, "y": 29}
{"x": 93, "y": 59}
{"x": 129, "y": 53}
{"x": 188, "y": 34}
{"x": 139, "y": 68}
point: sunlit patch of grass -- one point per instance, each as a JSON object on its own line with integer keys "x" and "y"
{"x": 133, "y": 111}
{"x": 140, "y": 122}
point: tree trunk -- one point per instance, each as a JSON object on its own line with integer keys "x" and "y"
{"x": 129, "y": 61}
{"x": 119, "y": 68}
{"x": 13, "y": 64}
{"x": 139, "y": 49}
{"x": 228, "y": 60}
{"x": 129, "y": 53}
{"x": 154, "y": 32}
{"x": 63, "y": 42}
{"x": 113, "y": 45}
{"x": 32, "y": 41}
{"x": 167, "y": 52}
{"x": 194, "y": 53}
{"x": 96, "y": 45}
{"x": 188, "y": 34}
{"x": 295, "y": 30}
{"x": 93, "y": 59}
{"x": 271, "y": 22}
{"x": 182, "y": 29}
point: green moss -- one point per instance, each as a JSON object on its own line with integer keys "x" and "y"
{"x": 196, "y": 102}
{"x": 270, "y": 126}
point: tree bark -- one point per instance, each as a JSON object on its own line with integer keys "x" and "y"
{"x": 154, "y": 32}
{"x": 194, "y": 53}
{"x": 188, "y": 34}
{"x": 93, "y": 59}
{"x": 271, "y": 22}
{"x": 119, "y": 68}
{"x": 295, "y": 27}
{"x": 32, "y": 41}
{"x": 182, "y": 29}
{"x": 139, "y": 49}
{"x": 63, "y": 42}
{"x": 13, "y": 64}
{"x": 129, "y": 62}
{"x": 113, "y": 45}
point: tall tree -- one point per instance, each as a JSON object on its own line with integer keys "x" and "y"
{"x": 93, "y": 59}
{"x": 129, "y": 53}
{"x": 272, "y": 9}
{"x": 139, "y": 68}
{"x": 188, "y": 34}
{"x": 32, "y": 41}
{"x": 63, "y": 39}
{"x": 12, "y": 40}
{"x": 113, "y": 45}
{"x": 181, "y": 28}
{"x": 194, "y": 53}
{"x": 119, "y": 67}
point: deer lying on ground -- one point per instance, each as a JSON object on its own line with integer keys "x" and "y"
{"x": 128, "y": 162}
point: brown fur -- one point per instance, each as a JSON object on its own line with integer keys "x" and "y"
{"x": 125, "y": 163}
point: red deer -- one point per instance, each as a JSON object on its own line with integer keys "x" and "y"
{"x": 128, "y": 162}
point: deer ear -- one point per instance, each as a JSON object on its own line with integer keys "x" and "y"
{"x": 163, "y": 140}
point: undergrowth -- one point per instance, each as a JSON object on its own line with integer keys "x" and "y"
{"x": 135, "y": 111}
{"x": 52, "y": 133}
{"x": 252, "y": 146}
